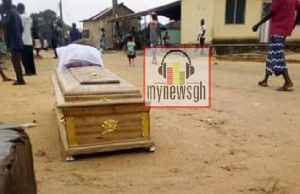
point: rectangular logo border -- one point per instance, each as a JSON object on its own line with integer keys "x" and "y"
{"x": 176, "y": 107}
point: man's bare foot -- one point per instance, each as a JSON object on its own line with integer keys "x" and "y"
{"x": 8, "y": 80}
{"x": 263, "y": 83}
{"x": 286, "y": 87}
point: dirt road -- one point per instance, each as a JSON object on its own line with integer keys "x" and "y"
{"x": 248, "y": 142}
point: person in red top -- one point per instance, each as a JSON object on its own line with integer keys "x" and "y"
{"x": 283, "y": 19}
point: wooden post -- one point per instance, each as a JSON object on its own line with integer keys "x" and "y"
{"x": 114, "y": 12}
{"x": 115, "y": 8}
{"x": 60, "y": 11}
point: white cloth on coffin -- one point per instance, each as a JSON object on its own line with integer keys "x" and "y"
{"x": 75, "y": 53}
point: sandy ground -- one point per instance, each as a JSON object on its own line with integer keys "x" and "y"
{"x": 248, "y": 142}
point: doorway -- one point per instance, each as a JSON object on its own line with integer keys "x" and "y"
{"x": 265, "y": 28}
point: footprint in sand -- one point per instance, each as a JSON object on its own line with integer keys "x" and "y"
{"x": 213, "y": 123}
{"x": 40, "y": 153}
{"x": 230, "y": 168}
{"x": 269, "y": 186}
{"x": 185, "y": 114}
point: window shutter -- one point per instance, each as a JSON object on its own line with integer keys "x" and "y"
{"x": 298, "y": 18}
{"x": 240, "y": 12}
{"x": 230, "y": 5}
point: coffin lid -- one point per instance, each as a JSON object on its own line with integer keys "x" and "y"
{"x": 94, "y": 83}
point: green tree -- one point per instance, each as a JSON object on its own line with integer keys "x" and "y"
{"x": 43, "y": 23}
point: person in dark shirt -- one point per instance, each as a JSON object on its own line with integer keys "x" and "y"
{"x": 54, "y": 40}
{"x": 74, "y": 33}
{"x": 36, "y": 37}
{"x": 13, "y": 36}
{"x": 57, "y": 36}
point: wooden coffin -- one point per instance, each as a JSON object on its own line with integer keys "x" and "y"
{"x": 98, "y": 111}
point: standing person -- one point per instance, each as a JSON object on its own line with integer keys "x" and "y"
{"x": 135, "y": 35}
{"x": 102, "y": 45}
{"x": 131, "y": 50}
{"x": 102, "y": 39}
{"x": 74, "y": 34}
{"x": 57, "y": 37}
{"x": 54, "y": 40}
{"x": 68, "y": 38}
{"x": 27, "y": 53}
{"x": 155, "y": 35}
{"x": 35, "y": 36}
{"x": 45, "y": 44}
{"x": 60, "y": 34}
{"x": 13, "y": 34}
{"x": 166, "y": 39}
{"x": 133, "y": 32}
{"x": 282, "y": 15}
{"x": 201, "y": 36}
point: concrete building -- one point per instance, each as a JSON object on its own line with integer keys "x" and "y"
{"x": 172, "y": 11}
{"x": 227, "y": 21}
{"x": 93, "y": 25}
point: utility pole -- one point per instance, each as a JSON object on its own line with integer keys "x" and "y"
{"x": 61, "y": 11}
{"x": 114, "y": 12}
{"x": 115, "y": 8}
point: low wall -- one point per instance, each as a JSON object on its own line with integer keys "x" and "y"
{"x": 16, "y": 162}
{"x": 224, "y": 49}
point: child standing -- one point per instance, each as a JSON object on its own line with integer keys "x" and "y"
{"x": 202, "y": 31}
{"x": 166, "y": 39}
{"x": 102, "y": 40}
{"x": 131, "y": 50}
{"x": 283, "y": 18}
{"x": 201, "y": 36}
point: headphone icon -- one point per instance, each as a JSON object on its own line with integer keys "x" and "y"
{"x": 190, "y": 70}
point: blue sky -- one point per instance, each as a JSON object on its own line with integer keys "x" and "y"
{"x": 76, "y": 10}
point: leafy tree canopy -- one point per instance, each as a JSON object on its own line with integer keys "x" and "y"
{"x": 44, "y": 21}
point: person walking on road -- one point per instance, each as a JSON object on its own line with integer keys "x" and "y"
{"x": 283, "y": 20}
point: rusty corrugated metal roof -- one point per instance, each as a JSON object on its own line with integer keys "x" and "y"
{"x": 106, "y": 12}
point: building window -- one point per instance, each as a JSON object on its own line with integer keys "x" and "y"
{"x": 298, "y": 18}
{"x": 86, "y": 34}
{"x": 235, "y": 11}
